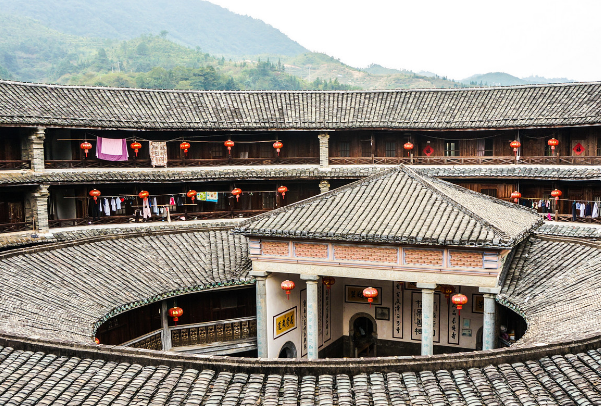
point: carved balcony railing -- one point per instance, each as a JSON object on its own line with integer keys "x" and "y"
{"x": 468, "y": 160}
{"x": 145, "y": 163}
{"x": 214, "y": 332}
{"x": 15, "y": 164}
{"x": 150, "y": 341}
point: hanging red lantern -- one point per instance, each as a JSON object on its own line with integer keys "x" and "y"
{"x": 328, "y": 281}
{"x": 191, "y": 194}
{"x": 185, "y": 146}
{"x": 447, "y": 290}
{"x": 515, "y": 145}
{"x": 556, "y": 194}
{"x": 282, "y": 190}
{"x": 96, "y": 340}
{"x": 553, "y": 143}
{"x": 176, "y": 313}
{"x": 86, "y": 146}
{"x": 229, "y": 144}
{"x": 515, "y": 196}
{"x": 287, "y": 286}
{"x": 136, "y": 146}
{"x": 408, "y": 147}
{"x": 278, "y": 145}
{"x": 95, "y": 193}
{"x": 143, "y": 194}
{"x": 237, "y": 192}
{"x": 370, "y": 293}
{"x": 459, "y": 300}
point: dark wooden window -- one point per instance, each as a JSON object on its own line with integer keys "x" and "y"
{"x": 217, "y": 150}
{"x": 344, "y": 148}
{"x": 598, "y": 146}
{"x": 451, "y": 148}
{"x": 390, "y": 149}
{"x": 489, "y": 192}
{"x": 266, "y": 150}
{"x": 365, "y": 148}
{"x": 268, "y": 200}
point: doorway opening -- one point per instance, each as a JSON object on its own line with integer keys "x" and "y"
{"x": 363, "y": 334}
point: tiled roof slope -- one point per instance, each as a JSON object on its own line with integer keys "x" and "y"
{"x": 582, "y": 231}
{"x": 551, "y": 172}
{"x": 66, "y": 292}
{"x": 399, "y": 206}
{"x": 556, "y": 286}
{"x": 41, "y": 378}
{"x": 521, "y": 106}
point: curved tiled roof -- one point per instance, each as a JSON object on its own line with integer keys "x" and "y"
{"x": 399, "y": 206}
{"x": 67, "y": 291}
{"x": 569, "y": 104}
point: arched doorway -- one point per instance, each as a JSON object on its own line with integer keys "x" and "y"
{"x": 363, "y": 333}
{"x": 288, "y": 350}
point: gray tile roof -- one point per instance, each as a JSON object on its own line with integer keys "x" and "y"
{"x": 543, "y": 172}
{"x": 66, "y": 291}
{"x": 399, "y": 206}
{"x": 582, "y": 231}
{"x": 521, "y": 106}
{"x": 555, "y": 283}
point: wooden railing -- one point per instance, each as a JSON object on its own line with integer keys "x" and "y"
{"x": 568, "y": 218}
{"x": 16, "y": 227}
{"x": 15, "y": 164}
{"x": 468, "y": 160}
{"x": 145, "y": 163}
{"x": 213, "y": 332}
{"x": 150, "y": 341}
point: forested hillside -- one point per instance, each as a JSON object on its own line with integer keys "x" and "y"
{"x": 193, "y": 23}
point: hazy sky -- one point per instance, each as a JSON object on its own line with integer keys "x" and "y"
{"x": 454, "y": 38}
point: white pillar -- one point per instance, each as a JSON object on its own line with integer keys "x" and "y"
{"x": 312, "y": 316}
{"x": 324, "y": 186}
{"x": 489, "y": 331}
{"x": 165, "y": 325}
{"x": 324, "y": 150}
{"x": 261, "y": 286}
{"x": 427, "y": 317}
{"x": 36, "y": 149}
{"x": 40, "y": 208}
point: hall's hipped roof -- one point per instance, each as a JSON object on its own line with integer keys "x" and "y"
{"x": 569, "y": 104}
{"x": 399, "y": 206}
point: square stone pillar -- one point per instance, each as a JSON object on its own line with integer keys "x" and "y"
{"x": 165, "y": 326}
{"x": 324, "y": 150}
{"x": 324, "y": 186}
{"x": 312, "y": 316}
{"x": 489, "y": 330}
{"x": 427, "y": 317}
{"x": 261, "y": 287}
{"x": 40, "y": 208}
{"x": 36, "y": 149}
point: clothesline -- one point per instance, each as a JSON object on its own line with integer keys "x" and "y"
{"x": 552, "y": 198}
{"x": 172, "y": 140}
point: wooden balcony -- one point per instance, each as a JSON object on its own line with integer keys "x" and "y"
{"x": 14, "y": 164}
{"x": 179, "y": 163}
{"x": 16, "y": 227}
{"x": 468, "y": 160}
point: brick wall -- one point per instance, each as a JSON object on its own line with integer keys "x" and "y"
{"x": 275, "y": 248}
{"x": 371, "y": 254}
{"x": 311, "y": 250}
{"x": 466, "y": 259}
{"x": 423, "y": 257}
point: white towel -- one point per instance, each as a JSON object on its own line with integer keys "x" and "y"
{"x": 112, "y": 146}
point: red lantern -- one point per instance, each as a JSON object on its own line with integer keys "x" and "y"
{"x": 229, "y": 144}
{"x": 237, "y": 192}
{"x": 370, "y": 293}
{"x": 96, "y": 340}
{"x": 86, "y": 146}
{"x": 553, "y": 143}
{"x": 515, "y": 196}
{"x": 282, "y": 190}
{"x": 459, "y": 300}
{"x": 185, "y": 146}
{"x": 278, "y": 145}
{"x": 328, "y": 281}
{"x": 136, "y": 146}
{"x": 287, "y": 286}
{"x": 408, "y": 147}
{"x": 556, "y": 193}
{"x": 176, "y": 313}
{"x": 143, "y": 194}
{"x": 447, "y": 290}
{"x": 191, "y": 194}
{"x": 95, "y": 193}
{"x": 515, "y": 145}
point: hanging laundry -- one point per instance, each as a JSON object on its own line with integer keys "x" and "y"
{"x": 118, "y": 203}
{"x": 212, "y": 196}
{"x": 113, "y": 204}
{"x": 201, "y": 196}
{"x": 93, "y": 209}
{"x": 588, "y": 210}
{"x": 146, "y": 209}
{"x": 573, "y": 211}
{"x": 155, "y": 206}
{"x": 595, "y": 211}
{"x": 110, "y": 149}
{"x": 172, "y": 201}
{"x": 107, "y": 207}
{"x": 582, "y": 209}
{"x": 179, "y": 201}
{"x": 158, "y": 153}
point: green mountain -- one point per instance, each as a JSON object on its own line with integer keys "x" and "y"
{"x": 193, "y": 23}
{"x": 505, "y": 79}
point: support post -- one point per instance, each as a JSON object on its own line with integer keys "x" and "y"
{"x": 261, "y": 287}
{"x": 36, "y": 149}
{"x": 312, "y": 316}
{"x": 324, "y": 150}
{"x": 324, "y": 186}
{"x": 165, "y": 325}
{"x": 40, "y": 208}
{"x": 489, "y": 331}
{"x": 427, "y": 317}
